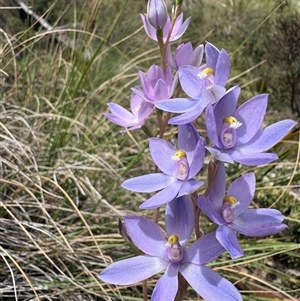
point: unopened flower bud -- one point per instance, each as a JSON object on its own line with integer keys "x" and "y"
{"x": 157, "y": 13}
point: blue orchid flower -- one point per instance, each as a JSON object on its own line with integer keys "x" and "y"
{"x": 231, "y": 213}
{"x": 172, "y": 255}
{"x": 236, "y": 134}
{"x": 178, "y": 166}
{"x": 204, "y": 85}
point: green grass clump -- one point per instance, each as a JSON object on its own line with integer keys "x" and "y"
{"x": 61, "y": 162}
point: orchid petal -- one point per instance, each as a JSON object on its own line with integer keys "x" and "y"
{"x": 212, "y": 94}
{"x": 167, "y": 286}
{"x": 227, "y": 238}
{"x": 203, "y": 250}
{"x": 133, "y": 270}
{"x": 268, "y": 137}
{"x": 242, "y": 189}
{"x": 220, "y": 155}
{"x": 184, "y": 52}
{"x": 139, "y": 107}
{"x": 216, "y": 194}
{"x": 153, "y": 74}
{"x": 211, "y": 125}
{"x": 222, "y": 68}
{"x": 189, "y": 187}
{"x": 253, "y": 159}
{"x": 190, "y": 81}
{"x": 198, "y": 158}
{"x": 146, "y": 235}
{"x": 161, "y": 90}
{"x": 179, "y": 28}
{"x": 176, "y": 105}
{"x": 120, "y": 121}
{"x": 120, "y": 112}
{"x": 180, "y": 218}
{"x": 188, "y": 137}
{"x": 251, "y": 114}
{"x": 140, "y": 92}
{"x": 207, "y": 206}
{"x": 162, "y": 153}
{"x": 148, "y": 183}
{"x": 259, "y": 222}
{"x": 189, "y": 116}
{"x": 218, "y": 191}
{"x": 197, "y": 56}
{"x": 211, "y": 55}
{"x": 208, "y": 284}
{"x": 134, "y": 127}
{"x": 149, "y": 29}
{"x": 162, "y": 197}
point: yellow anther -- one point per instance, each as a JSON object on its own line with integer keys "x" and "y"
{"x": 173, "y": 239}
{"x": 208, "y": 70}
{"x": 230, "y": 120}
{"x": 230, "y": 199}
{"x": 180, "y": 154}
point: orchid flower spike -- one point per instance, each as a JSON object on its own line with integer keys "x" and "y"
{"x": 231, "y": 214}
{"x": 178, "y": 166}
{"x": 173, "y": 256}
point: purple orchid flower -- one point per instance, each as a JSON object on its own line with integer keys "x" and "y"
{"x": 178, "y": 168}
{"x": 185, "y": 55}
{"x": 230, "y": 212}
{"x": 173, "y": 256}
{"x": 156, "y": 85}
{"x": 177, "y": 31}
{"x": 236, "y": 133}
{"x": 135, "y": 120}
{"x": 204, "y": 85}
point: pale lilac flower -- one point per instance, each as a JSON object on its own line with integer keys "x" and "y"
{"x": 236, "y": 132}
{"x": 140, "y": 112}
{"x": 204, "y": 85}
{"x": 230, "y": 212}
{"x": 178, "y": 30}
{"x": 156, "y": 84}
{"x": 173, "y": 256}
{"x": 185, "y": 55}
{"x": 178, "y": 167}
{"x": 157, "y": 13}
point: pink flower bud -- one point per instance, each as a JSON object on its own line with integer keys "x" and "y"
{"x": 157, "y": 13}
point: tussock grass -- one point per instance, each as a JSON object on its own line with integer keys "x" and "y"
{"x": 61, "y": 162}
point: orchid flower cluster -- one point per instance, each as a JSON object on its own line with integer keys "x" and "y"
{"x": 235, "y": 136}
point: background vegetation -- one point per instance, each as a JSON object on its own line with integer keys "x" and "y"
{"x": 61, "y": 162}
